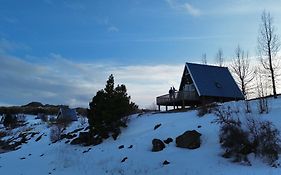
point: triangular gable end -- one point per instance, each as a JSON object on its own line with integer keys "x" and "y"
{"x": 187, "y": 75}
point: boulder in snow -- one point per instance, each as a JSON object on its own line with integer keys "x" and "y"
{"x": 189, "y": 139}
{"x": 124, "y": 159}
{"x": 166, "y": 162}
{"x": 157, "y": 126}
{"x": 158, "y": 145}
{"x": 168, "y": 140}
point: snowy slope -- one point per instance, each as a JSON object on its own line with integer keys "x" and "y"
{"x": 59, "y": 158}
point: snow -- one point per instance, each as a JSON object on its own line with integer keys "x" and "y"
{"x": 43, "y": 157}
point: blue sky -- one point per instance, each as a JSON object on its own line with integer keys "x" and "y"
{"x": 67, "y": 48}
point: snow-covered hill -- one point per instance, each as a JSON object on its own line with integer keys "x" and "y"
{"x": 43, "y": 157}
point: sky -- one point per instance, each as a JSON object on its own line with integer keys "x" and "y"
{"x": 62, "y": 51}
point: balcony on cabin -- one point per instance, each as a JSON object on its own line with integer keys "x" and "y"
{"x": 187, "y": 96}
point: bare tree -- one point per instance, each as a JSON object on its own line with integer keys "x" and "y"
{"x": 268, "y": 46}
{"x": 204, "y": 58}
{"x": 243, "y": 73}
{"x": 219, "y": 57}
{"x": 262, "y": 88}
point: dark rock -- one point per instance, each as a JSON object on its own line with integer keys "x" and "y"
{"x": 88, "y": 127}
{"x": 67, "y": 141}
{"x": 199, "y": 126}
{"x": 157, "y": 126}
{"x": 168, "y": 140}
{"x": 96, "y": 141}
{"x": 158, "y": 145}
{"x": 131, "y": 146}
{"x": 38, "y": 138}
{"x": 121, "y": 147}
{"x": 76, "y": 130}
{"x": 124, "y": 159}
{"x": 68, "y": 136}
{"x": 41, "y": 155}
{"x": 84, "y": 138}
{"x": 166, "y": 162}
{"x": 22, "y": 158}
{"x": 87, "y": 150}
{"x": 75, "y": 141}
{"x": 115, "y": 135}
{"x": 189, "y": 139}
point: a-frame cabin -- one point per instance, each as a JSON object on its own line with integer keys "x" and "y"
{"x": 202, "y": 84}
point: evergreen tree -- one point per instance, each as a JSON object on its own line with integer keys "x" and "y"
{"x": 109, "y": 109}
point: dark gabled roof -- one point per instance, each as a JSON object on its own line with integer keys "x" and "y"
{"x": 213, "y": 81}
{"x": 67, "y": 113}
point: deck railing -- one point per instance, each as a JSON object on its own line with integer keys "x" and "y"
{"x": 178, "y": 96}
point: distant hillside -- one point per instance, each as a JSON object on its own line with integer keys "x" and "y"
{"x": 33, "y": 104}
{"x": 34, "y": 108}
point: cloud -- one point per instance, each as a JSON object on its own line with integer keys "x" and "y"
{"x": 74, "y": 5}
{"x": 144, "y": 83}
{"x": 184, "y": 6}
{"x": 58, "y": 82}
{"x": 192, "y": 10}
{"x": 49, "y": 2}
{"x": 61, "y": 81}
{"x": 180, "y": 38}
{"x": 107, "y": 23}
{"x": 7, "y": 46}
{"x": 112, "y": 29}
{"x": 10, "y": 20}
{"x": 242, "y": 7}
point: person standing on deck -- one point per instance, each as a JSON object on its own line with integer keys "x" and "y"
{"x": 174, "y": 93}
{"x": 171, "y": 93}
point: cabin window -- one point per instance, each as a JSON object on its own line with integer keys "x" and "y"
{"x": 189, "y": 87}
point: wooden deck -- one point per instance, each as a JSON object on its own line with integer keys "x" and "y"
{"x": 180, "y": 98}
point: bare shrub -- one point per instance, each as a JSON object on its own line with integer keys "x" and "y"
{"x": 233, "y": 139}
{"x": 10, "y": 120}
{"x": 238, "y": 139}
{"x": 262, "y": 91}
{"x": 265, "y": 140}
{"x": 206, "y": 109}
{"x": 2, "y": 134}
{"x": 43, "y": 117}
{"x": 64, "y": 122}
{"x": 52, "y": 119}
{"x": 83, "y": 120}
{"x": 247, "y": 106}
{"x": 55, "y": 133}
